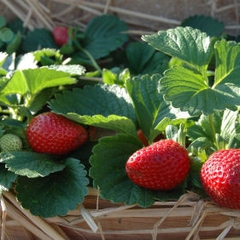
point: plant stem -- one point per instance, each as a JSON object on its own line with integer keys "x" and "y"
{"x": 92, "y": 60}
{"x": 89, "y": 56}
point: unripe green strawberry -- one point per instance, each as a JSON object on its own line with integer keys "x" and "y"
{"x": 54, "y": 134}
{"x": 160, "y": 166}
{"x": 220, "y": 177}
{"x": 10, "y": 142}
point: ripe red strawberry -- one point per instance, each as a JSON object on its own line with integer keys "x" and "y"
{"x": 60, "y": 35}
{"x": 54, "y": 134}
{"x": 220, "y": 177}
{"x": 160, "y": 166}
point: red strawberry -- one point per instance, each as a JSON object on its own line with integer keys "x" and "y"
{"x": 55, "y": 134}
{"x": 60, "y": 35}
{"x": 160, "y": 166}
{"x": 220, "y": 177}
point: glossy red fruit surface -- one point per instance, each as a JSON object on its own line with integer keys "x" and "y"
{"x": 162, "y": 165}
{"x": 60, "y": 35}
{"x": 220, "y": 177}
{"x": 54, "y": 134}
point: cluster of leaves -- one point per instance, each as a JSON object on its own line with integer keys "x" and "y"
{"x": 196, "y": 98}
{"x": 194, "y": 101}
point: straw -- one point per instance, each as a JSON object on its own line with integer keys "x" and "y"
{"x": 80, "y": 12}
{"x": 4, "y": 215}
{"x": 33, "y": 223}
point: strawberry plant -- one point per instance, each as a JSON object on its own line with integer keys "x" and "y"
{"x": 179, "y": 84}
{"x": 25, "y": 90}
{"x": 194, "y": 102}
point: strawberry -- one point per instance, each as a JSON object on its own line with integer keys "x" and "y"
{"x": 54, "y": 134}
{"x": 60, "y": 35}
{"x": 220, "y": 177}
{"x": 10, "y": 142}
{"x": 162, "y": 165}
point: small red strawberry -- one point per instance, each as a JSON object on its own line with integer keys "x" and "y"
{"x": 54, "y": 134}
{"x": 162, "y": 165}
{"x": 60, "y": 35}
{"x": 220, "y": 177}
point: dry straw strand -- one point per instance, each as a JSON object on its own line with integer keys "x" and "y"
{"x": 41, "y": 14}
{"x": 26, "y": 218}
{"x": 158, "y": 224}
{"x": 88, "y": 218}
{"x": 224, "y": 233}
{"x": 4, "y": 215}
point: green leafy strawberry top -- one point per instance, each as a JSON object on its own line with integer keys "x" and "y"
{"x": 186, "y": 88}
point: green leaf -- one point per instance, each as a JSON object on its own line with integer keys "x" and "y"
{"x": 35, "y": 80}
{"x": 190, "y": 91}
{"x": 109, "y": 77}
{"x": 147, "y": 100}
{"x": 26, "y": 61}
{"x": 112, "y": 122}
{"x": 208, "y": 24}
{"x": 115, "y": 76}
{"x": 3, "y": 60}
{"x": 15, "y": 43}
{"x": 48, "y": 56}
{"x": 100, "y": 99}
{"x": 14, "y": 126}
{"x": 153, "y": 113}
{"x": 55, "y": 194}
{"x": 71, "y": 69}
{"x": 37, "y": 39}
{"x": 143, "y": 59}
{"x": 227, "y": 66}
{"x": 138, "y": 54}
{"x": 3, "y": 57}
{"x": 190, "y": 45}
{"x": 225, "y": 133}
{"x": 196, "y": 165}
{"x": 109, "y": 175}
{"x": 2, "y": 22}
{"x": 31, "y": 164}
{"x": 108, "y": 171}
{"x": 16, "y": 25}
{"x": 6, "y": 178}
{"x": 229, "y": 124}
{"x": 202, "y": 147}
{"x": 104, "y": 34}
{"x": 39, "y": 100}
{"x": 234, "y": 141}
